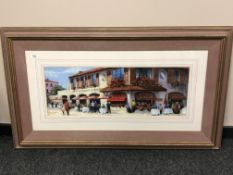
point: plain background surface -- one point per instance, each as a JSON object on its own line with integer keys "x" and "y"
{"x": 113, "y": 13}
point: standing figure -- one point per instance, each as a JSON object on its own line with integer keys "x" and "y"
{"x": 160, "y": 108}
{"x": 148, "y": 107}
{"x": 95, "y": 106}
{"x": 78, "y": 105}
{"x": 133, "y": 105}
{"x": 176, "y": 107}
{"x": 108, "y": 107}
{"x": 98, "y": 108}
{"x": 128, "y": 109}
{"x": 92, "y": 106}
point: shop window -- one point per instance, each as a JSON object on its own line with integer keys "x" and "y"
{"x": 144, "y": 72}
{"x": 94, "y": 79}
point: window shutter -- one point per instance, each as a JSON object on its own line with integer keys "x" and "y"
{"x": 182, "y": 76}
{"x": 78, "y": 81}
{"x": 89, "y": 80}
{"x": 97, "y": 79}
{"x": 126, "y": 75}
{"x": 170, "y": 75}
{"x": 132, "y": 75}
{"x": 81, "y": 83}
{"x": 109, "y": 77}
{"x": 156, "y": 75}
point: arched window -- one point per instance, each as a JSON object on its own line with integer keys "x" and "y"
{"x": 64, "y": 96}
{"x": 162, "y": 76}
{"x": 72, "y": 96}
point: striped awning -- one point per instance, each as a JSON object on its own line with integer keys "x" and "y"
{"x": 117, "y": 98}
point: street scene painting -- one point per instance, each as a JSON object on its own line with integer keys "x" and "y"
{"x": 122, "y": 91}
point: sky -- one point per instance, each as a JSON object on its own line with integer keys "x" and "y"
{"x": 61, "y": 74}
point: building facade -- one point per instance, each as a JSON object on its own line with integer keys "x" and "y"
{"x": 49, "y": 85}
{"x": 129, "y": 86}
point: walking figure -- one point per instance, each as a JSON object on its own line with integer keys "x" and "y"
{"x": 66, "y": 107}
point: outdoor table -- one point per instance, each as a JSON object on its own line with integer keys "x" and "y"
{"x": 183, "y": 110}
{"x": 155, "y": 112}
{"x": 103, "y": 110}
{"x": 85, "y": 109}
{"x": 167, "y": 111}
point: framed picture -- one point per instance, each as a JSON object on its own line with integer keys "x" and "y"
{"x": 117, "y": 87}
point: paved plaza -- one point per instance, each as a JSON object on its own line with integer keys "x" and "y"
{"x": 115, "y": 112}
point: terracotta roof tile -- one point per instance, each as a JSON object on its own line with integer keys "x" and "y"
{"x": 99, "y": 69}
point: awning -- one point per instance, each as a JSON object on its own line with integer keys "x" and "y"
{"x": 57, "y": 98}
{"x": 145, "y": 96}
{"x": 176, "y": 96}
{"x": 93, "y": 97}
{"x": 117, "y": 98}
{"x": 132, "y": 88}
{"x": 103, "y": 97}
{"x": 57, "y": 101}
{"x": 83, "y": 98}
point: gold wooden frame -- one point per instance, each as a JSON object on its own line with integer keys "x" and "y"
{"x": 208, "y": 137}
